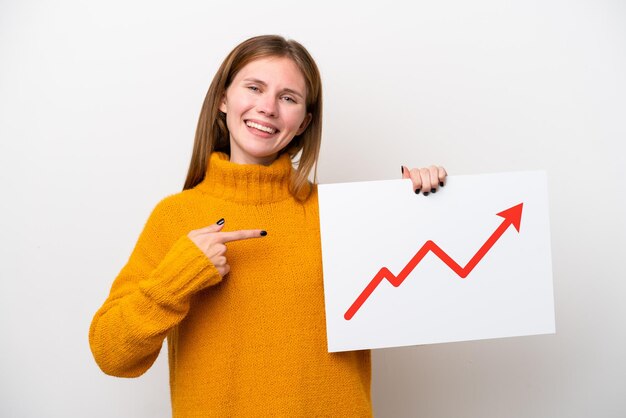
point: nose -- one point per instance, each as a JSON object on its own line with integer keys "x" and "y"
{"x": 267, "y": 106}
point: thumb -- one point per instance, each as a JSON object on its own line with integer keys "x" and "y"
{"x": 405, "y": 173}
{"x": 216, "y": 227}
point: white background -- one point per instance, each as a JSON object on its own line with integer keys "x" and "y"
{"x": 98, "y": 107}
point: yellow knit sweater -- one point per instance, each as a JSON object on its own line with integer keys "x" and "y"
{"x": 252, "y": 344}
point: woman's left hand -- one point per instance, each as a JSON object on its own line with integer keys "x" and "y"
{"x": 426, "y": 180}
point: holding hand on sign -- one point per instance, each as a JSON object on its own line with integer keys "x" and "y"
{"x": 427, "y": 180}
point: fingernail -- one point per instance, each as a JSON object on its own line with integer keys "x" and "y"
{"x": 425, "y": 193}
{"x": 417, "y": 191}
{"x": 433, "y": 190}
{"x": 441, "y": 183}
{"x": 263, "y": 233}
{"x": 220, "y": 222}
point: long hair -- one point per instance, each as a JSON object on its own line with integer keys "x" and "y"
{"x": 212, "y": 133}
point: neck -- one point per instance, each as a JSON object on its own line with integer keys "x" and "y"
{"x": 247, "y": 183}
{"x": 237, "y": 157}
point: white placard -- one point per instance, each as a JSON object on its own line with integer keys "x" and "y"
{"x": 393, "y": 261}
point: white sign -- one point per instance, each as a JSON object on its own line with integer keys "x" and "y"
{"x": 469, "y": 262}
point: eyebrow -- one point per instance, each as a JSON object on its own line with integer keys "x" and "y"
{"x": 256, "y": 80}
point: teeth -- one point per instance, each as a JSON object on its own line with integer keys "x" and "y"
{"x": 260, "y": 127}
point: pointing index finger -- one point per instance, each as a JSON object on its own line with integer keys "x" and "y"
{"x": 242, "y": 234}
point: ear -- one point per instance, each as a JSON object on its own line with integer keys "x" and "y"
{"x": 305, "y": 123}
{"x": 223, "y": 104}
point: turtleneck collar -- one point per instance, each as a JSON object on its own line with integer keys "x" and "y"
{"x": 247, "y": 183}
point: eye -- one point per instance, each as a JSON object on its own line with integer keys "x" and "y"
{"x": 253, "y": 88}
{"x": 289, "y": 99}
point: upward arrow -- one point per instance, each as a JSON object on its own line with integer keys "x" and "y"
{"x": 512, "y": 216}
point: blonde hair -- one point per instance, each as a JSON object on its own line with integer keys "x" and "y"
{"x": 212, "y": 133}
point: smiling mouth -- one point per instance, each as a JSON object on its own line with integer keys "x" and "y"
{"x": 261, "y": 127}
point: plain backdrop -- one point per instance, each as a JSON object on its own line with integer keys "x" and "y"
{"x": 98, "y": 107}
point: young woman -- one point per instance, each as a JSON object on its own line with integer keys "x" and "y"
{"x": 245, "y": 327}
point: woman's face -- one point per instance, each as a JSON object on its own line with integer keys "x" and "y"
{"x": 265, "y": 108}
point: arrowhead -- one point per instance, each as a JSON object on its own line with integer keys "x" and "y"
{"x": 513, "y": 215}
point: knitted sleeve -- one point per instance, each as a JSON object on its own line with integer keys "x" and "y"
{"x": 149, "y": 297}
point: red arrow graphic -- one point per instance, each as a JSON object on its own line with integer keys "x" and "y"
{"x": 512, "y": 216}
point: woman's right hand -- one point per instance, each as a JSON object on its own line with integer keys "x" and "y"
{"x": 212, "y": 242}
